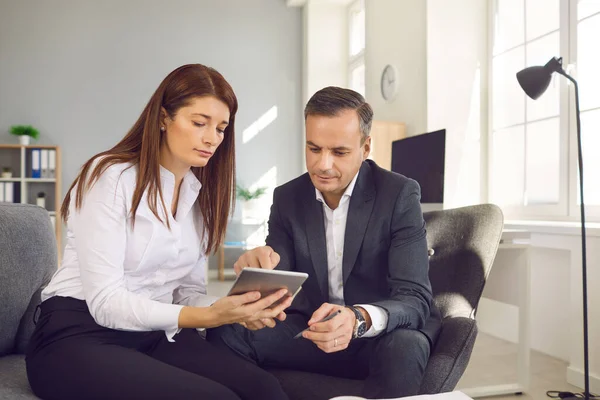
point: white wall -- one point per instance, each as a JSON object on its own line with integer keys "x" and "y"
{"x": 396, "y": 34}
{"x": 324, "y": 51}
{"x": 81, "y": 71}
{"x": 325, "y": 46}
{"x": 457, "y": 43}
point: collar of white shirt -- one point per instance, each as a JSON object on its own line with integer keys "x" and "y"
{"x": 167, "y": 177}
{"x": 347, "y": 192}
{"x": 188, "y": 194}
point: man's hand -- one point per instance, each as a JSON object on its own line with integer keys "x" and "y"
{"x": 335, "y": 334}
{"x": 260, "y": 257}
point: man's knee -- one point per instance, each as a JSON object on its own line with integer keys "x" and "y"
{"x": 404, "y": 344}
{"x": 398, "y": 363}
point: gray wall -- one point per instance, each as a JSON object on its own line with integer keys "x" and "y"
{"x": 81, "y": 71}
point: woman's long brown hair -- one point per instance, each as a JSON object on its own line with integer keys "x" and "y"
{"x": 141, "y": 147}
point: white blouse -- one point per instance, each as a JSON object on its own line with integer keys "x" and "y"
{"x": 134, "y": 279}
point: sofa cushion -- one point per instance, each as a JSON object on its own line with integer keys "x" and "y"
{"x": 13, "y": 383}
{"x": 27, "y": 260}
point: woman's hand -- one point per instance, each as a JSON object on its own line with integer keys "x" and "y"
{"x": 250, "y": 310}
{"x": 247, "y": 309}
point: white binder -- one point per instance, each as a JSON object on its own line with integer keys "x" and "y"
{"x": 8, "y": 192}
{"x": 35, "y": 163}
{"x": 52, "y": 164}
{"x": 1, "y": 192}
{"x": 44, "y": 163}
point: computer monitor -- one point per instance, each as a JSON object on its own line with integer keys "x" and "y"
{"x": 422, "y": 158}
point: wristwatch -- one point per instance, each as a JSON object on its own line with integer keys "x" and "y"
{"x": 360, "y": 326}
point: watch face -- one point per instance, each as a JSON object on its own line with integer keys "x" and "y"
{"x": 362, "y": 329}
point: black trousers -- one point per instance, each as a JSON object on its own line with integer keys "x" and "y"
{"x": 71, "y": 357}
{"x": 391, "y": 364}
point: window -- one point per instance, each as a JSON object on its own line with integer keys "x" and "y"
{"x": 531, "y": 159}
{"x": 587, "y": 60}
{"x": 356, "y": 46}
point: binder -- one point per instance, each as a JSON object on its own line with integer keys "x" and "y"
{"x": 52, "y": 164}
{"x": 36, "y": 171}
{"x": 44, "y": 163}
{"x": 9, "y": 192}
{"x": 1, "y": 192}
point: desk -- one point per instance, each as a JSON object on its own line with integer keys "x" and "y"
{"x": 516, "y": 240}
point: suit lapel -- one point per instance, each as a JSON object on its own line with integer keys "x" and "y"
{"x": 315, "y": 234}
{"x": 359, "y": 212}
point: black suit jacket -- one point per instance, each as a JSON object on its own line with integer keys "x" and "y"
{"x": 385, "y": 261}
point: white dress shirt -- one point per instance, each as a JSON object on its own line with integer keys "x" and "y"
{"x": 134, "y": 278}
{"x": 335, "y": 229}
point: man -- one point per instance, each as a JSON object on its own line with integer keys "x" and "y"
{"x": 358, "y": 231}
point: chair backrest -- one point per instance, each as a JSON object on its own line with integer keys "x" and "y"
{"x": 463, "y": 243}
{"x": 28, "y": 257}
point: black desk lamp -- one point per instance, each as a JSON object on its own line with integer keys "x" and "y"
{"x": 535, "y": 81}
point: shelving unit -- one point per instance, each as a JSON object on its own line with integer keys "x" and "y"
{"x": 18, "y": 159}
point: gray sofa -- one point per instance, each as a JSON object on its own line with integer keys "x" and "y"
{"x": 28, "y": 258}
{"x": 463, "y": 245}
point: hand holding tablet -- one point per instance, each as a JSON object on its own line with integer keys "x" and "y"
{"x": 268, "y": 281}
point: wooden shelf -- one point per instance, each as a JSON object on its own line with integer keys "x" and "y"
{"x": 41, "y": 180}
{"x": 17, "y": 157}
{"x": 383, "y": 134}
{"x": 29, "y": 146}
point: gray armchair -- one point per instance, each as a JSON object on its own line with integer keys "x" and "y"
{"x": 27, "y": 259}
{"x": 463, "y": 244}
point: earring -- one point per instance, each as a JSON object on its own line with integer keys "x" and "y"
{"x": 162, "y": 128}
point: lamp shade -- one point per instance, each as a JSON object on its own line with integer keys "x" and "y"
{"x": 534, "y": 80}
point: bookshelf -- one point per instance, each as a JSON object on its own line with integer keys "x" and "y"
{"x": 25, "y": 187}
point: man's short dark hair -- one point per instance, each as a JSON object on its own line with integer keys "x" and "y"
{"x": 332, "y": 100}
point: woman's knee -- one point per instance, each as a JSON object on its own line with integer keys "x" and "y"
{"x": 264, "y": 385}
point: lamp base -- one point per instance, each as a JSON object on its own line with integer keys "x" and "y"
{"x": 565, "y": 395}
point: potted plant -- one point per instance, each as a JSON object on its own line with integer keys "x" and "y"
{"x": 250, "y": 197}
{"x": 25, "y": 133}
{"x": 6, "y": 172}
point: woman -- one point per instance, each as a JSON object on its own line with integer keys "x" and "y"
{"x": 118, "y": 319}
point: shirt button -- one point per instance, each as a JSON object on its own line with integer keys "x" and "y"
{"x": 339, "y": 254}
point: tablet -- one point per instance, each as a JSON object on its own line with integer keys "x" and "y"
{"x": 268, "y": 281}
